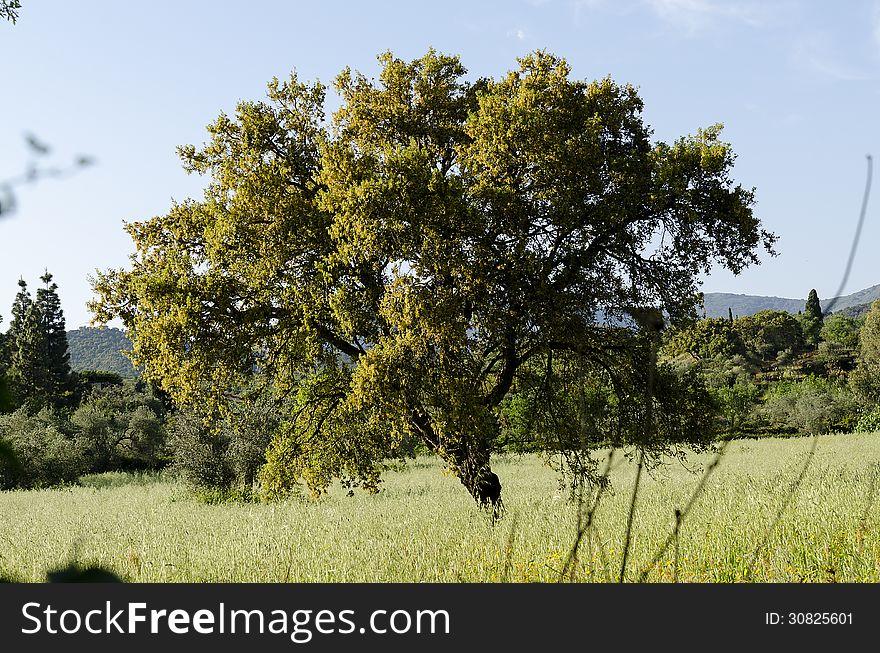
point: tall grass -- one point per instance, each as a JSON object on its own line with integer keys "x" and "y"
{"x": 423, "y": 526}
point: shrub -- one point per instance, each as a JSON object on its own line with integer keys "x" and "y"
{"x": 812, "y": 405}
{"x": 869, "y": 422}
{"x": 220, "y": 458}
{"x": 737, "y": 402}
{"x": 44, "y": 450}
{"x": 121, "y": 427}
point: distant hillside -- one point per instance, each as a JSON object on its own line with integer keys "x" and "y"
{"x": 717, "y": 303}
{"x": 859, "y": 310}
{"x": 93, "y": 348}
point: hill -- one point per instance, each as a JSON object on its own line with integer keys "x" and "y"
{"x": 717, "y": 303}
{"x": 93, "y": 348}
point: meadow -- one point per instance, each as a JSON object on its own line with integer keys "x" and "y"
{"x": 423, "y": 526}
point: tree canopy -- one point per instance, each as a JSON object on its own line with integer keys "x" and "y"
{"x": 394, "y": 272}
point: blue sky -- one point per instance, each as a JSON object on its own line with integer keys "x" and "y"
{"x": 796, "y": 84}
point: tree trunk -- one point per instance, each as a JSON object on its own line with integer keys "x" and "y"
{"x": 469, "y": 460}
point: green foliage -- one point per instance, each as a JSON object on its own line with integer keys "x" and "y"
{"x": 842, "y": 330}
{"x": 103, "y": 349}
{"x": 865, "y": 379}
{"x": 737, "y": 402}
{"x": 6, "y": 403}
{"x": 397, "y": 268}
{"x": 704, "y": 339}
{"x": 59, "y": 383}
{"x": 767, "y": 333}
{"x": 43, "y": 447}
{"x": 811, "y": 320}
{"x": 811, "y": 405}
{"x": 220, "y": 458}
{"x": 26, "y": 344}
{"x": 90, "y": 379}
{"x": 120, "y": 427}
{"x": 834, "y": 360}
{"x": 39, "y": 369}
{"x": 869, "y": 422}
{"x": 572, "y": 407}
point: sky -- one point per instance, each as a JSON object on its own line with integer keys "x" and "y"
{"x": 796, "y": 85}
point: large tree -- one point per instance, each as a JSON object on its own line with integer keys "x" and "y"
{"x": 395, "y": 272}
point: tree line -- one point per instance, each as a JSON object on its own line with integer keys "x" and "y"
{"x": 776, "y": 373}
{"x": 58, "y": 424}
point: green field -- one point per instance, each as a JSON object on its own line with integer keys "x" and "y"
{"x": 423, "y": 526}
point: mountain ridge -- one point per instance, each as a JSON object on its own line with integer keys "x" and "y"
{"x": 716, "y": 304}
{"x": 100, "y": 348}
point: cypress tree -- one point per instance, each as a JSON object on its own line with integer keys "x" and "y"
{"x": 59, "y": 385}
{"x": 39, "y": 362}
{"x": 27, "y": 351}
{"x": 813, "y": 308}
{"x": 811, "y": 320}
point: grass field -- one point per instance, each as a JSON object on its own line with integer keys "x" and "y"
{"x": 423, "y": 526}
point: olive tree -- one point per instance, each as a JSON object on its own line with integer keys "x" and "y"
{"x": 391, "y": 272}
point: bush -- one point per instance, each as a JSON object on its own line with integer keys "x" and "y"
{"x": 842, "y": 330}
{"x": 812, "y": 405}
{"x": 121, "y": 427}
{"x": 736, "y": 401}
{"x": 869, "y": 422}
{"x": 220, "y": 458}
{"x": 45, "y": 452}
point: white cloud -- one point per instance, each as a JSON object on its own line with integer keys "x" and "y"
{"x": 694, "y": 16}
{"x": 816, "y": 54}
{"x": 519, "y": 33}
{"x": 579, "y": 6}
{"x": 877, "y": 24}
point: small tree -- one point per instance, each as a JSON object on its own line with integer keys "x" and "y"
{"x": 811, "y": 320}
{"x": 60, "y": 383}
{"x": 865, "y": 379}
{"x": 704, "y": 339}
{"x": 769, "y": 332}
{"x": 120, "y": 427}
{"x": 842, "y": 330}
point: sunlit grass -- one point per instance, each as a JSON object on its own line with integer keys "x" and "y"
{"x": 423, "y": 526}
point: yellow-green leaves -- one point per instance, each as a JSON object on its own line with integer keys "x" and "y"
{"x": 391, "y": 274}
